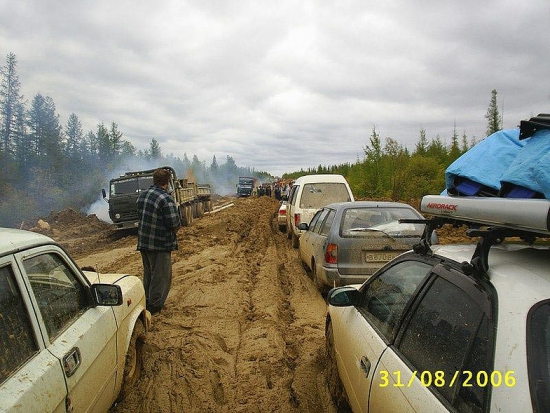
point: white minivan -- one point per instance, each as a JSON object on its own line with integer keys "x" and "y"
{"x": 311, "y": 193}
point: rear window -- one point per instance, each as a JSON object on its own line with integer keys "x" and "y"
{"x": 317, "y": 195}
{"x": 538, "y": 356}
{"x": 361, "y": 222}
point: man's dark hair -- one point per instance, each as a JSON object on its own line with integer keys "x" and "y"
{"x": 161, "y": 177}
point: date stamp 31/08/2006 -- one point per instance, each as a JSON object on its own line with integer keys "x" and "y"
{"x": 438, "y": 378}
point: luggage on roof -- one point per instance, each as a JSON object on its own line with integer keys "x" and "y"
{"x": 511, "y": 163}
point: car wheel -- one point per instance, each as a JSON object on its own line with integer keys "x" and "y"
{"x": 134, "y": 360}
{"x": 318, "y": 282}
{"x": 335, "y": 387}
{"x": 295, "y": 241}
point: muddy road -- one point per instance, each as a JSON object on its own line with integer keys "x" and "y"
{"x": 243, "y": 325}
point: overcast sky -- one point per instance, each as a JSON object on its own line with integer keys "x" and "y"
{"x": 282, "y": 85}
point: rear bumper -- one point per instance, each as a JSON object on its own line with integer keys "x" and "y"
{"x": 332, "y": 277}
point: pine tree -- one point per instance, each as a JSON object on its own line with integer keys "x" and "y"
{"x": 494, "y": 119}
{"x": 74, "y": 136}
{"x": 11, "y": 103}
{"x": 154, "y": 150}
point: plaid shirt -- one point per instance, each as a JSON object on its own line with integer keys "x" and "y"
{"x": 158, "y": 220}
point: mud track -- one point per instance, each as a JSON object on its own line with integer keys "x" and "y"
{"x": 243, "y": 326}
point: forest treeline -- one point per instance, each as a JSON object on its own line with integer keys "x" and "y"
{"x": 47, "y": 166}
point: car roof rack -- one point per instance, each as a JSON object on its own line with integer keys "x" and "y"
{"x": 490, "y": 219}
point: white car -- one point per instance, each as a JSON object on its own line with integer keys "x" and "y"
{"x": 453, "y": 328}
{"x": 69, "y": 339}
{"x": 281, "y": 216}
{"x": 309, "y": 194}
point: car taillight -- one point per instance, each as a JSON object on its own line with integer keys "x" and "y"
{"x": 331, "y": 254}
{"x": 282, "y": 211}
{"x": 297, "y": 220}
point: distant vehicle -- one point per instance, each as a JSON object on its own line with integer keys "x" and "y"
{"x": 345, "y": 243}
{"x": 246, "y": 186}
{"x": 192, "y": 199}
{"x": 70, "y": 340}
{"x": 451, "y": 328}
{"x": 281, "y": 216}
{"x": 310, "y": 193}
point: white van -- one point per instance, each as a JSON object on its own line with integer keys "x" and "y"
{"x": 311, "y": 193}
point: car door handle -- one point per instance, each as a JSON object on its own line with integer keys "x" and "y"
{"x": 365, "y": 365}
{"x": 71, "y": 361}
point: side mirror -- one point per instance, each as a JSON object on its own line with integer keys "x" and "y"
{"x": 343, "y": 297}
{"x": 303, "y": 226}
{"x": 104, "y": 193}
{"x": 107, "y": 294}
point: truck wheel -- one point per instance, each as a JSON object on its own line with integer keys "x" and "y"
{"x": 189, "y": 213}
{"x": 200, "y": 209}
{"x": 183, "y": 215}
{"x": 209, "y": 206}
{"x": 134, "y": 360}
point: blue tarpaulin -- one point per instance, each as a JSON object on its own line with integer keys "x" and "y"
{"x": 503, "y": 165}
{"x": 484, "y": 164}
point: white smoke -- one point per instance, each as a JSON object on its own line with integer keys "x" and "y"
{"x": 101, "y": 209}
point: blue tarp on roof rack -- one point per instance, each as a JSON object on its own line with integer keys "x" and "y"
{"x": 530, "y": 171}
{"x": 513, "y": 163}
{"x": 484, "y": 164}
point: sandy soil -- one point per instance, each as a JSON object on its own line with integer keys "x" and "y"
{"x": 243, "y": 325}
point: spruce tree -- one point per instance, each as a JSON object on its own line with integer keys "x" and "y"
{"x": 494, "y": 119}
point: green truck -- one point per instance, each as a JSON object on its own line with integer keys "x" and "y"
{"x": 192, "y": 199}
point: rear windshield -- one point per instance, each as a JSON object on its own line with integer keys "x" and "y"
{"x": 361, "y": 222}
{"x": 538, "y": 356}
{"x": 317, "y": 195}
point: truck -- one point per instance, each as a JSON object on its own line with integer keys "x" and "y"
{"x": 245, "y": 186}
{"x": 192, "y": 199}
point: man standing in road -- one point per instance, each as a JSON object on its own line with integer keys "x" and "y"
{"x": 157, "y": 238}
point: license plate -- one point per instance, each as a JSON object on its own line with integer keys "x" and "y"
{"x": 379, "y": 256}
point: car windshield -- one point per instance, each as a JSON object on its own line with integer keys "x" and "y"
{"x": 362, "y": 222}
{"x": 317, "y": 195}
{"x": 131, "y": 185}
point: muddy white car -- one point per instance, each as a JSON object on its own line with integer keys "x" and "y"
{"x": 453, "y": 328}
{"x": 70, "y": 340}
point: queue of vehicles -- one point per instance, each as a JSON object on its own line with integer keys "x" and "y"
{"x": 411, "y": 326}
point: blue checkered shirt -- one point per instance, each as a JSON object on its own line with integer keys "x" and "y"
{"x": 158, "y": 220}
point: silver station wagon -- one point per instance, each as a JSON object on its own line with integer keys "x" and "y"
{"x": 346, "y": 242}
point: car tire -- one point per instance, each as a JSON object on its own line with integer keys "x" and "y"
{"x": 295, "y": 241}
{"x": 134, "y": 360}
{"x": 334, "y": 384}
{"x": 318, "y": 282}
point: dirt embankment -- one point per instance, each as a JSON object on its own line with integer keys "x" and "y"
{"x": 243, "y": 326}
